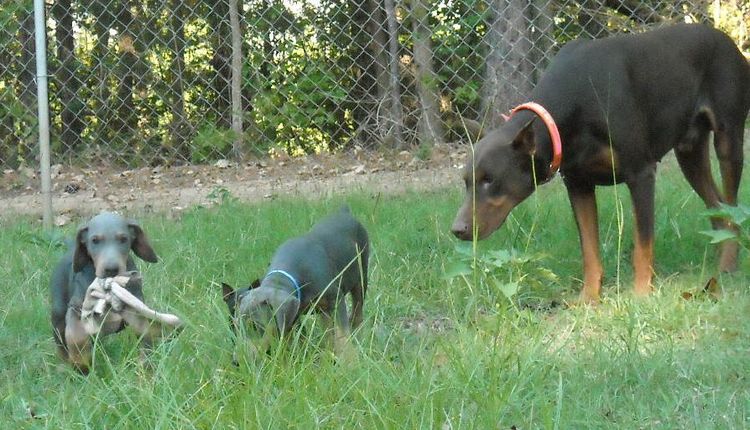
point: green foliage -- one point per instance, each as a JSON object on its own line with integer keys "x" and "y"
{"x": 17, "y": 144}
{"x": 151, "y": 81}
{"x": 460, "y": 54}
{"x": 222, "y": 196}
{"x": 10, "y": 15}
{"x": 211, "y": 143}
{"x": 424, "y": 151}
{"x": 468, "y": 94}
{"x": 518, "y": 276}
{"x": 737, "y": 215}
{"x": 299, "y": 107}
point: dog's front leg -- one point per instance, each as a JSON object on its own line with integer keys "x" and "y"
{"x": 642, "y": 194}
{"x": 77, "y": 342}
{"x": 583, "y": 200}
{"x": 149, "y": 332}
{"x": 341, "y": 332}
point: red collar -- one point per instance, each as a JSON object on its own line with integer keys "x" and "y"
{"x": 554, "y": 165}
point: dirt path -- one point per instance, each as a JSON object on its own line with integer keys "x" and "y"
{"x": 80, "y": 192}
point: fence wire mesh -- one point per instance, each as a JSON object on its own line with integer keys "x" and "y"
{"x": 139, "y": 83}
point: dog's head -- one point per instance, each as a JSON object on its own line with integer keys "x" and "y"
{"x": 498, "y": 177}
{"x": 269, "y": 308}
{"x": 232, "y": 297}
{"x": 267, "y": 311}
{"x": 106, "y": 241}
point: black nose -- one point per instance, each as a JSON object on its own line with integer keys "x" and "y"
{"x": 460, "y": 229}
{"x": 111, "y": 271}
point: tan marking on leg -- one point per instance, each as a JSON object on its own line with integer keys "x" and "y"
{"x": 584, "y": 207}
{"x": 78, "y": 342}
{"x": 643, "y": 265}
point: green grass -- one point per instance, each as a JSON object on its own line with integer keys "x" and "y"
{"x": 433, "y": 353}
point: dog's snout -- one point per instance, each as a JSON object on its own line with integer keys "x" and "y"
{"x": 111, "y": 271}
{"x": 461, "y": 229}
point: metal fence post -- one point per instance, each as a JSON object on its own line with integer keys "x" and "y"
{"x": 43, "y": 111}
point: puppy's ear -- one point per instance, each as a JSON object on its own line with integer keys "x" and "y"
{"x": 140, "y": 245}
{"x": 524, "y": 140}
{"x": 81, "y": 255}
{"x": 286, "y": 313}
{"x": 226, "y": 291}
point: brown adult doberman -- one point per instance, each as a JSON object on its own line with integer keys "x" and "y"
{"x": 620, "y": 105}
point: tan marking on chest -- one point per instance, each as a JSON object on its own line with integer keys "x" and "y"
{"x": 603, "y": 161}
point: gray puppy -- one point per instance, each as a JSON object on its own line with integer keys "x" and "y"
{"x": 101, "y": 250}
{"x": 311, "y": 272}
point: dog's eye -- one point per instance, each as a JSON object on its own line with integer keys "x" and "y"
{"x": 122, "y": 239}
{"x": 486, "y": 180}
{"x": 96, "y": 240}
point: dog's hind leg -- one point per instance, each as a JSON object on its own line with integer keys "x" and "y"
{"x": 694, "y": 161}
{"x": 359, "y": 290}
{"x": 341, "y": 332}
{"x": 728, "y": 145}
{"x": 358, "y": 301}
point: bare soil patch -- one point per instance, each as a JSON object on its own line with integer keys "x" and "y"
{"x": 84, "y": 191}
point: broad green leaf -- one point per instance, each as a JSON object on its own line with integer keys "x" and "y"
{"x": 546, "y": 274}
{"x": 464, "y": 248}
{"x": 455, "y": 269}
{"x": 718, "y": 236}
{"x": 509, "y": 289}
{"x": 500, "y": 257}
{"x": 737, "y": 214}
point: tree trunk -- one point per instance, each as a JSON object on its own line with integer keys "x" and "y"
{"x": 371, "y": 88}
{"x": 218, "y": 18}
{"x": 27, "y": 71}
{"x": 234, "y": 15}
{"x": 179, "y": 130}
{"x": 99, "y": 74}
{"x": 541, "y": 38}
{"x": 430, "y": 126}
{"x": 393, "y": 134}
{"x": 125, "y": 122}
{"x": 67, "y": 80}
{"x": 26, "y": 86}
{"x": 509, "y": 73}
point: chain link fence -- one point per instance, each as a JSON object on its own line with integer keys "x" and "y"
{"x": 144, "y": 83}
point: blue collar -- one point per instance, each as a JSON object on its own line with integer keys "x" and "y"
{"x": 297, "y": 289}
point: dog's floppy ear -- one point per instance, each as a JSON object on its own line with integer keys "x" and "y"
{"x": 81, "y": 255}
{"x": 226, "y": 291}
{"x": 286, "y": 313}
{"x": 524, "y": 140}
{"x": 140, "y": 245}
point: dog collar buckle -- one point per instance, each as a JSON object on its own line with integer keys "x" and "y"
{"x": 297, "y": 288}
